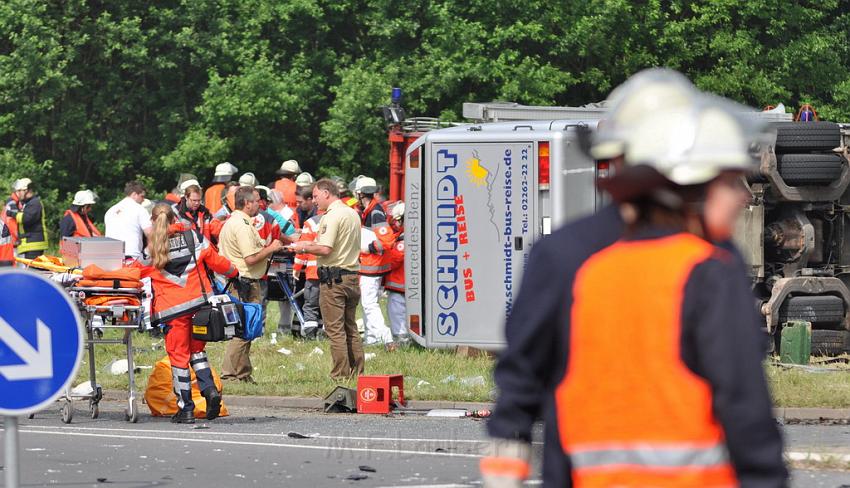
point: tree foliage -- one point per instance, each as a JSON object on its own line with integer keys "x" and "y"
{"x": 94, "y": 93}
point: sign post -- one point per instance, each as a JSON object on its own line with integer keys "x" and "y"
{"x": 41, "y": 344}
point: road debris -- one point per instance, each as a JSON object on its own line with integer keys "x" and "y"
{"x": 298, "y": 435}
{"x": 446, "y": 412}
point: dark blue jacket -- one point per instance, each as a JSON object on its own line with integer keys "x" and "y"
{"x": 717, "y": 300}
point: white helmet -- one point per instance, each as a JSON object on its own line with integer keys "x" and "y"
{"x": 83, "y": 197}
{"x": 352, "y": 185}
{"x": 224, "y": 172}
{"x": 248, "y": 179}
{"x": 289, "y": 167}
{"x": 22, "y": 184}
{"x": 304, "y": 179}
{"x": 692, "y": 146}
{"x": 187, "y": 184}
{"x": 364, "y": 184}
{"x": 644, "y": 94}
{"x": 397, "y": 211}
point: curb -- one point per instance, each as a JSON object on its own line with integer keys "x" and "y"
{"x": 811, "y": 414}
{"x": 318, "y": 403}
{"x": 304, "y": 403}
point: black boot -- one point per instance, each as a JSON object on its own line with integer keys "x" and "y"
{"x": 213, "y": 398}
{"x": 183, "y": 417}
{"x": 182, "y": 390}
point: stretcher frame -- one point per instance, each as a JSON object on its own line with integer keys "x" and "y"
{"x": 281, "y": 270}
{"x": 112, "y": 317}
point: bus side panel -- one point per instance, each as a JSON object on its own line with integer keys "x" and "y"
{"x": 414, "y": 245}
{"x": 481, "y": 222}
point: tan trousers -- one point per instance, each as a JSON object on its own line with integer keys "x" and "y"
{"x": 237, "y": 359}
{"x": 338, "y": 302}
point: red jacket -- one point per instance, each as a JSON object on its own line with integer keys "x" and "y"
{"x": 305, "y": 261}
{"x": 7, "y": 246}
{"x": 13, "y": 206}
{"x": 394, "y": 280}
{"x": 177, "y": 287}
{"x": 267, "y": 227}
{"x": 200, "y": 221}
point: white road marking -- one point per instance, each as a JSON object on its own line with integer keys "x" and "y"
{"x": 67, "y": 432}
{"x": 817, "y": 457}
{"x": 258, "y": 434}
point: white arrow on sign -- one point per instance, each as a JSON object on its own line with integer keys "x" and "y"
{"x": 38, "y": 363}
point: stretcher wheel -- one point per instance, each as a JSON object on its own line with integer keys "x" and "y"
{"x": 132, "y": 413}
{"x": 67, "y": 412}
{"x": 94, "y": 409}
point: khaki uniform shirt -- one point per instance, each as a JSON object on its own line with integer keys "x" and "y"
{"x": 239, "y": 239}
{"x": 339, "y": 229}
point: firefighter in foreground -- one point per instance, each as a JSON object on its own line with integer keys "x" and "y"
{"x": 666, "y": 388}
{"x": 178, "y": 278}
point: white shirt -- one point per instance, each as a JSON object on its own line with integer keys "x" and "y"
{"x": 127, "y": 221}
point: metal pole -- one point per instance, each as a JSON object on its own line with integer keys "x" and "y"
{"x": 11, "y": 447}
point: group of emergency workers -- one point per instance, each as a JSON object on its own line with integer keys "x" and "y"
{"x": 633, "y": 337}
{"x": 175, "y": 243}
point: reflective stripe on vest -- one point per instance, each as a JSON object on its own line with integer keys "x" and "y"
{"x": 647, "y": 455}
{"x": 391, "y": 285}
{"x": 178, "y": 310}
{"x": 373, "y": 270}
{"x": 618, "y": 429}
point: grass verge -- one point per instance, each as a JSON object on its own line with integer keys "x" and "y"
{"x": 429, "y": 374}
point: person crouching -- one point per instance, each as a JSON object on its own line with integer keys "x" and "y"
{"x": 178, "y": 279}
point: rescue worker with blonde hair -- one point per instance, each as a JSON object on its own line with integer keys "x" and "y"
{"x": 642, "y": 349}
{"x": 179, "y": 278}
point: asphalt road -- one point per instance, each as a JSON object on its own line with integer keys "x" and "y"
{"x": 253, "y": 448}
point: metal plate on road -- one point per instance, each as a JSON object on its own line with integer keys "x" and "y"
{"x": 41, "y": 342}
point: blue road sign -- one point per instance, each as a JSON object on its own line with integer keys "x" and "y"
{"x": 41, "y": 342}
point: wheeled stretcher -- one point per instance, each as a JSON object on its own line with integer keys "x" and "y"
{"x": 106, "y": 308}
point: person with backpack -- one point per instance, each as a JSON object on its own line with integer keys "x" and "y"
{"x": 178, "y": 270}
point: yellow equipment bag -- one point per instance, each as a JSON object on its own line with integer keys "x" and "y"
{"x": 160, "y": 393}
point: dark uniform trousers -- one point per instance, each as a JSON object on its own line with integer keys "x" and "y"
{"x": 237, "y": 359}
{"x": 338, "y": 303}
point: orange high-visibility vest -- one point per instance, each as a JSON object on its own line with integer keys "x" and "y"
{"x": 83, "y": 228}
{"x": 212, "y": 197}
{"x": 394, "y": 280}
{"x": 374, "y": 264}
{"x": 630, "y": 412}
{"x": 7, "y": 246}
{"x": 305, "y": 261}
{"x": 287, "y": 189}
